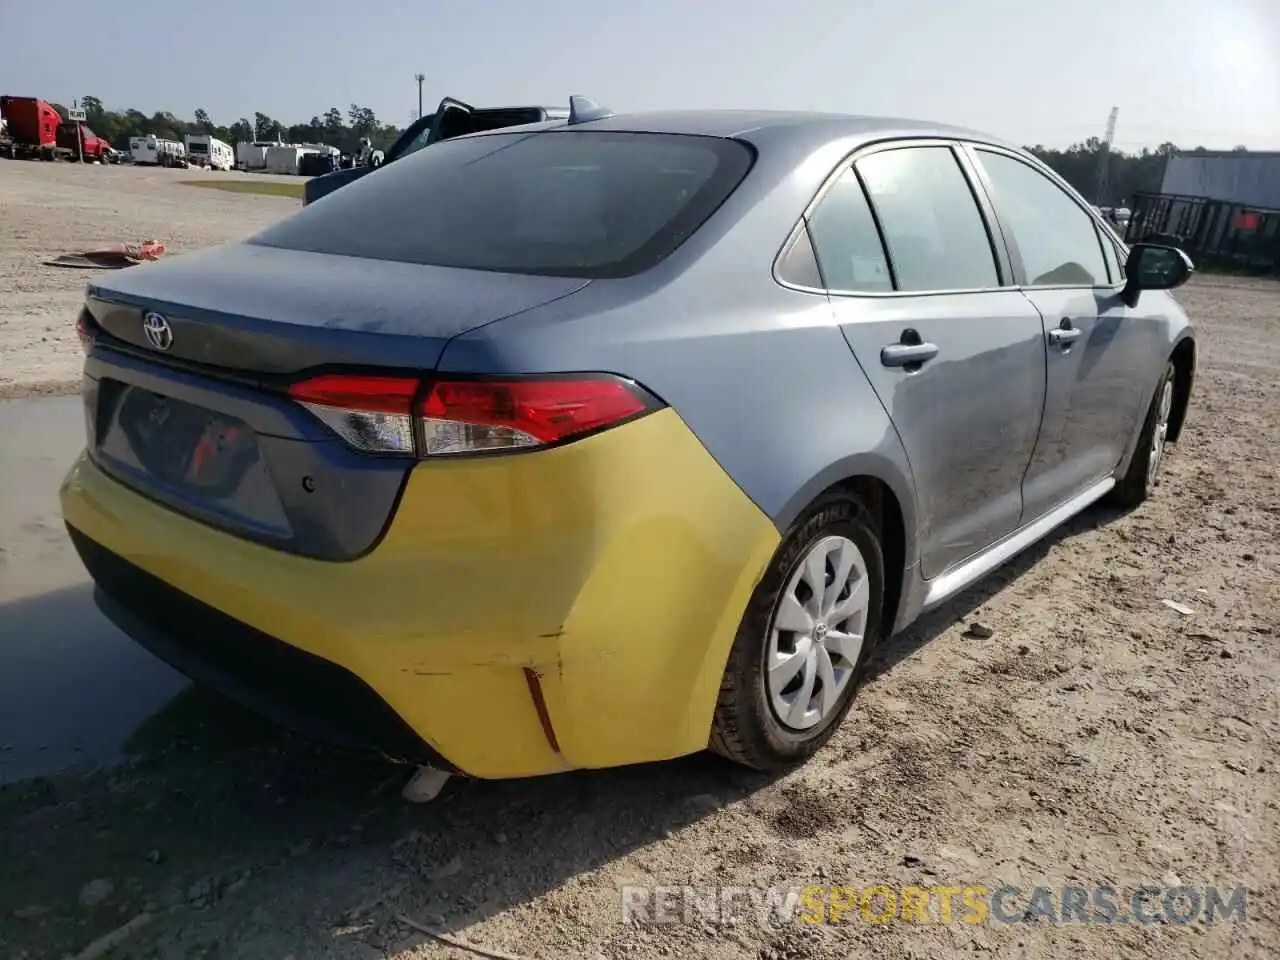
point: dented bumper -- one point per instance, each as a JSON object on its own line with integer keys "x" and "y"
{"x": 523, "y": 615}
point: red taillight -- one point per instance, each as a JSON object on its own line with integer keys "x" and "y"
{"x": 368, "y": 394}
{"x": 84, "y": 330}
{"x": 467, "y": 416}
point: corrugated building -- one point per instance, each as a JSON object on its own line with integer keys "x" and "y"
{"x": 1222, "y": 208}
{"x": 1247, "y": 179}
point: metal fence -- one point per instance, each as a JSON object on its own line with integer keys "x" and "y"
{"x": 1213, "y": 232}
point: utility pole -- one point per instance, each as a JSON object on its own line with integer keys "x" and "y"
{"x": 1104, "y": 159}
{"x": 419, "y": 77}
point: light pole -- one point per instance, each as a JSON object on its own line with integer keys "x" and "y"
{"x": 419, "y": 77}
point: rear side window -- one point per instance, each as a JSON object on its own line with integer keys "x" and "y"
{"x": 799, "y": 265}
{"x": 846, "y": 241}
{"x": 935, "y": 233}
{"x": 562, "y": 203}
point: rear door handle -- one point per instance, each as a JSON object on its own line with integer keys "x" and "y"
{"x": 907, "y": 354}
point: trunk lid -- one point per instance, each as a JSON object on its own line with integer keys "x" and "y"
{"x": 201, "y": 422}
{"x": 253, "y": 309}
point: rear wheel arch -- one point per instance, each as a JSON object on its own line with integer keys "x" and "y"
{"x": 1184, "y": 365}
{"x": 883, "y": 505}
{"x": 886, "y": 506}
{"x": 755, "y": 721}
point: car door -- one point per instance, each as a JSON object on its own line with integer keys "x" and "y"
{"x": 1095, "y": 344}
{"x": 955, "y": 356}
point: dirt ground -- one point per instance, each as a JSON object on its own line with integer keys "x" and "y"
{"x": 1090, "y": 736}
{"x": 48, "y": 209}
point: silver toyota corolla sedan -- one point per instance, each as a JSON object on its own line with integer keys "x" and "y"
{"x": 613, "y": 438}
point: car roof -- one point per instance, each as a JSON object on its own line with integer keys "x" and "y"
{"x": 804, "y": 130}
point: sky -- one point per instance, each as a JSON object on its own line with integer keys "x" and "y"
{"x": 1194, "y": 72}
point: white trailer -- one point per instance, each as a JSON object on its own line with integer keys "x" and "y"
{"x": 153, "y": 151}
{"x": 321, "y": 148}
{"x": 210, "y": 152}
{"x": 283, "y": 158}
{"x": 253, "y": 156}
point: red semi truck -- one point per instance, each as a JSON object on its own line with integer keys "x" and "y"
{"x": 94, "y": 146}
{"x": 35, "y": 129}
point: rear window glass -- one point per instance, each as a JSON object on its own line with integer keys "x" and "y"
{"x": 565, "y": 203}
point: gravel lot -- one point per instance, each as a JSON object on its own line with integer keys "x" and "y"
{"x": 48, "y": 209}
{"x": 1090, "y": 735}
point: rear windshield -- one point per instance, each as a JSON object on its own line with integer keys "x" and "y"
{"x": 558, "y": 203}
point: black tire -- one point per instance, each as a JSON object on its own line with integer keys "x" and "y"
{"x": 745, "y": 728}
{"x": 1138, "y": 484}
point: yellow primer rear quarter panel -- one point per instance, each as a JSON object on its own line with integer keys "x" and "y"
{"x": 616, "y": 567}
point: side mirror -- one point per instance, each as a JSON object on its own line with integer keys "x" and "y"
{"x": 1154, "y": 267}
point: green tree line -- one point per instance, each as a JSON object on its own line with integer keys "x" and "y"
{"x": 1078, "y": 164}
{"x": 1128, "y": 173}
{"x": 338, "y": 129}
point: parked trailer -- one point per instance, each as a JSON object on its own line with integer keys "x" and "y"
{"x": 1214, "y": 232}
{"x": 322, "y": 148}
{"x": 253, "y": 156}
{"x": 155, "y": 152}
{"x": 285, "y": 158}
{"x": 209, "y": 152}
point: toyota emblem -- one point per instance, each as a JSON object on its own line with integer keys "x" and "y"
{"x": 159, "y": 333}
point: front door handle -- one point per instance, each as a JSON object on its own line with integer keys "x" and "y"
{"x": 908, "y": 354}
{"x": 1064, "y": 334}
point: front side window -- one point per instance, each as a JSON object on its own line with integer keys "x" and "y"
{"x": 1115, "y": 251}
{"x": 589, "y": 204}
{"x": 1111, "y": 253}
{"x": 1056, "y": 238}
{"x": 932, "y": 225}
{"x": 846, "y": 241}
{"x": 416, "y": 142}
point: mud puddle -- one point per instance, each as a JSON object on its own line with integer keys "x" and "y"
{"x": 74, "y": 691}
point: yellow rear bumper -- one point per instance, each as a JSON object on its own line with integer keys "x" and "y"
{"x": 616, "y": 569}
